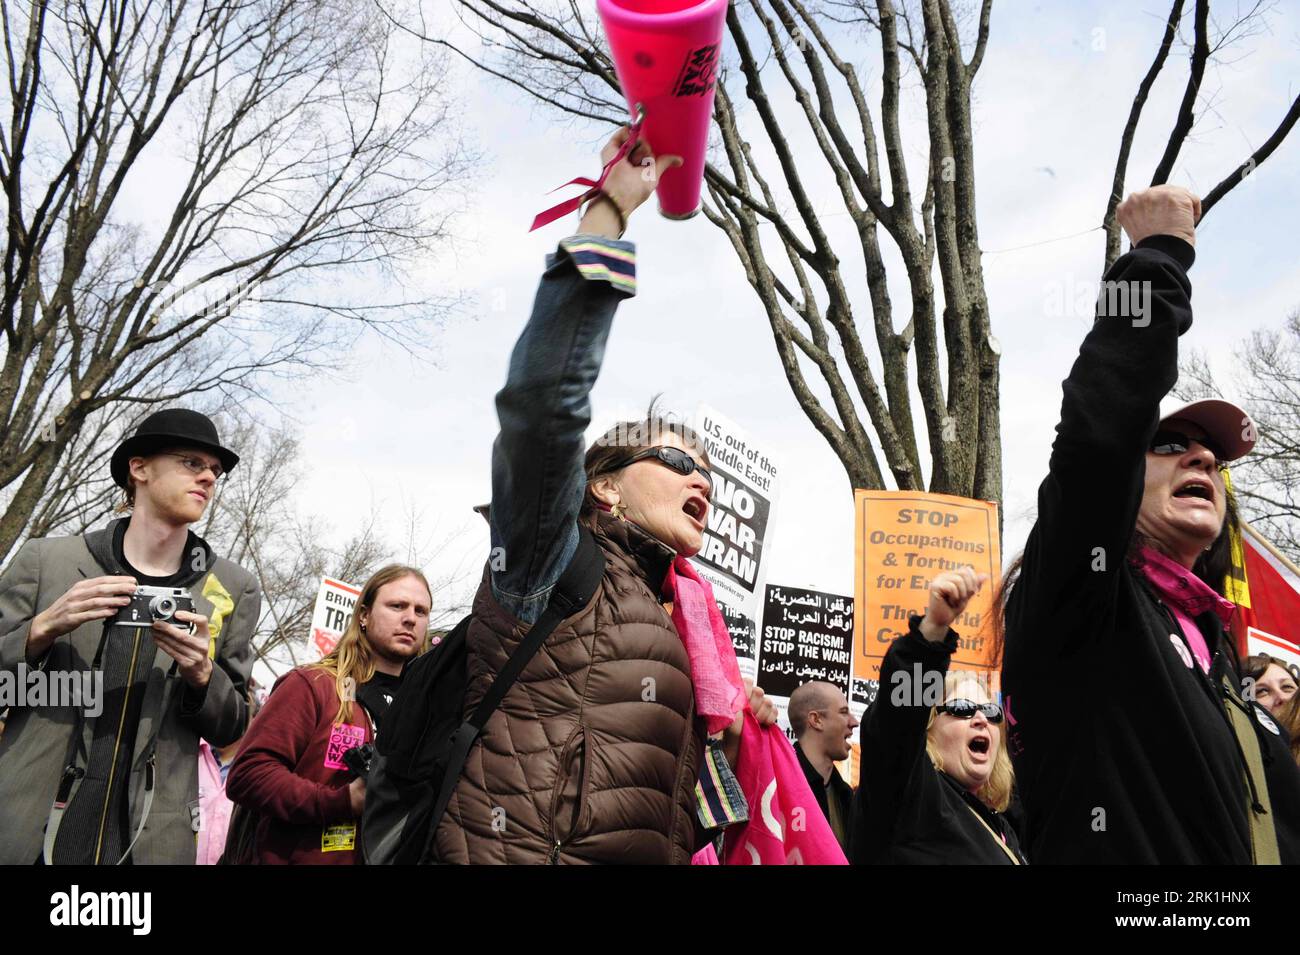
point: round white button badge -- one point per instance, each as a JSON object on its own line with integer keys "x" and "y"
{"x": 1266, "y": 721}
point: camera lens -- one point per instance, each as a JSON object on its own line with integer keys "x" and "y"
{"x": 162, "y": 608}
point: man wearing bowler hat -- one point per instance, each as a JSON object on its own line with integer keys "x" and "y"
{"x": 115, "y": 780}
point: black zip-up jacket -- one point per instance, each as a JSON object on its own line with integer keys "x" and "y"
{"x": 906, "y": 812}
{"x": 826, "y": 790}
{"x": 1122, "y": 748}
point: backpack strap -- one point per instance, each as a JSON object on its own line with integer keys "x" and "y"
{"x": 576, "y": 586}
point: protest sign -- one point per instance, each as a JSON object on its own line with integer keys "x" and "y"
{"x": 1261, "y": 641}
{"x": 903, "y": 540}
{"x": 807, "y": 635}
{"x": 739, "y": 527}
{"x": 333, "y": 610}
{"x": 742, "y": 630}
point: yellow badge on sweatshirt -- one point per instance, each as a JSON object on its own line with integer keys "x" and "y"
{"x": 222, "y": 604}
{"x": 338, "y": 838}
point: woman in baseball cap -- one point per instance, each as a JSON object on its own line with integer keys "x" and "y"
{"x": 1125, "y": 723}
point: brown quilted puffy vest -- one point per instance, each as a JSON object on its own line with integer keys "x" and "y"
{"x": 593, "y": 754}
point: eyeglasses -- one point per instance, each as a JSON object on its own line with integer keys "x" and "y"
{"x": 966, "y": 709}
{"x": 1175, "y": 442}
{"x": 675, "y": 458}
{"x": 196, "y": 465}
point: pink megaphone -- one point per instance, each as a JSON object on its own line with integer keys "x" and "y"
{"x": 667, "y": 54}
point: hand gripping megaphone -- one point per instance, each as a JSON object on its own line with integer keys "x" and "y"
{"x": 666, "y": 54}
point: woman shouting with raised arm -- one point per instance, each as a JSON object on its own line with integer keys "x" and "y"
{"x": 1130, "y": 740}
{"x": 593, "y": 753}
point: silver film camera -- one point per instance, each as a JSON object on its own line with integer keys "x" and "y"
{"x": 154, "y": 603}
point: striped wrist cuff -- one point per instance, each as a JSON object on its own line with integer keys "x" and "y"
{"x": 603, "y": 260}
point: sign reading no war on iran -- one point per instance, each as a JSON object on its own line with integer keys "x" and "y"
{"x": 745, "y": 478}
{"x": 903, "y": 540}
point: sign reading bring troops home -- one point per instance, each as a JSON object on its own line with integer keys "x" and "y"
{"x": 903, "y": 540}
{"x": 329, "y": 618}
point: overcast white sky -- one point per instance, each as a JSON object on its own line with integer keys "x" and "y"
{"x": 414, "y": 438}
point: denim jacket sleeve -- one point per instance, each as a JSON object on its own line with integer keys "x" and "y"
{"x": 544, "y": 409}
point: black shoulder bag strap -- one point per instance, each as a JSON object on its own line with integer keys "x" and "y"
{"x": 576, "y": 586}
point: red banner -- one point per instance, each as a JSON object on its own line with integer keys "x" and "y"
{"x": 1267, "y": 592}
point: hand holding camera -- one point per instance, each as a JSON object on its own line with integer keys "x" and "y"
{"x": 187, "y": 644}
{"x": 180, "y": 632}
{"x": 95, "y": 598}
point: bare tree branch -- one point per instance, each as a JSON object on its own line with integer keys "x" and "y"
{"x": 302, "y": 151}
{"x": 1186, "y": 109}
{"x": 1256, "y": 159}
{"x": 1109, "y": 221}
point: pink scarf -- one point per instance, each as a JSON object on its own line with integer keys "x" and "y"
{"x": 786, "y": 824}
{"x": 1186, "y": 596}
{"x": 719, "y": 690}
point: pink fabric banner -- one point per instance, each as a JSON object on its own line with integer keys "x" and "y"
{"x": 786, "y": 825}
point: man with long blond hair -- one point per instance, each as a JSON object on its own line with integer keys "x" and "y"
{"x": 290, "y": 770}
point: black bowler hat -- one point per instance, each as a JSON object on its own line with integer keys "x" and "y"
{"x": 170, "y": 428}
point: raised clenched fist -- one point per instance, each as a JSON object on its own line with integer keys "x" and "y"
{"x": 1160, "y": 210}
{"x": 950, "y": 592}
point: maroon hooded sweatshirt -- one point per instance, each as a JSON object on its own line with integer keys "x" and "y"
{"x": 291, "y": 773}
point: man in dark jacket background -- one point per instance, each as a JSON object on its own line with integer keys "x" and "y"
{"x": 128, "y": 757}
{"x": 823, "y": 724}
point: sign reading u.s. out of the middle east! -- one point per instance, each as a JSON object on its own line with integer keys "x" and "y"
{"x": 744, "y": 483}
{"x": 903, "y": 540}
{"x": 739, "y": 527}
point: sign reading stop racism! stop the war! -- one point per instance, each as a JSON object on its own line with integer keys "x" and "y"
{"x": 903, "y": 540}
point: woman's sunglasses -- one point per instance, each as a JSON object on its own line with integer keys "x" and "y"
{"x": 966, "y": 709}
{"x": 1175, "y": 442}
{"x": 675, "y": 458}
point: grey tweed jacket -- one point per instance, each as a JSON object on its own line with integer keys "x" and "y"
{"x": 35, "y": 744}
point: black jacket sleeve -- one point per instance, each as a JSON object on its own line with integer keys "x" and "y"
{"x": 1088, "y": 504}
{"x": 893, "y": 737}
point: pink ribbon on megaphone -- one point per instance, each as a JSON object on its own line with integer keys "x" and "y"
{"x": 548, "y": 216}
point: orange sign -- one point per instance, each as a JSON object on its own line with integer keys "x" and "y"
{"x": 904, "y": 539}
